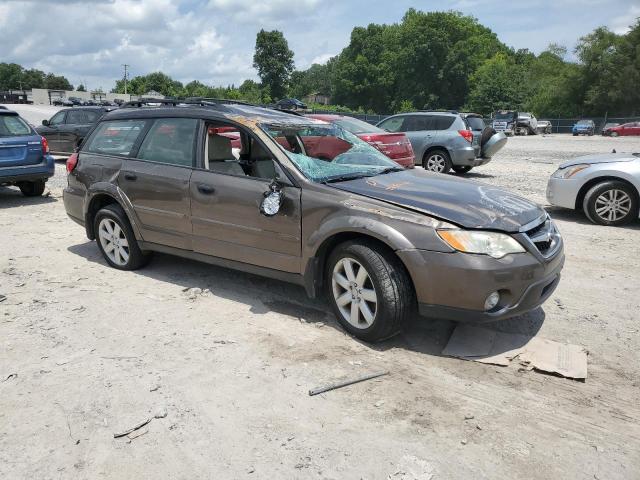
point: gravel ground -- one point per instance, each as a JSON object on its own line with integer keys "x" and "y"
{"x": 224, "y": 360}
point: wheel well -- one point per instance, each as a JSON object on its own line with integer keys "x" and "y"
{"x": 322, "y": 254}
{"x": 431, "y": 149}
{"x": 98, "y": 202}
{"x": 585, "y": 188}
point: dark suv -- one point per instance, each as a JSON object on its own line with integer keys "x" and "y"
{"x": 379, "y": 240}
{"x": 443, "y": 141}
{"x": 66, "y": 129}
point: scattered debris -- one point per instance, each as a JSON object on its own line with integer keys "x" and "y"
{"x": 498, "y": 348}
{"x": 154, "y": 388}
{"x": 137, "y": 433}
{"x": 225, "y": 342}
{"x": 412, "y": 468}
{"x": 161, "y": 412}
{"x": 3, "y": 298}
{"x": 318, "y": 390}
{"x": 463, "y": 441}
{"x": 10, "y": 376}
{"x": 468, "y": 416}
{"x": 379, "y": 403}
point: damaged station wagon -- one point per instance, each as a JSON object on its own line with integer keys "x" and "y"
{"x": 305, "y": 201}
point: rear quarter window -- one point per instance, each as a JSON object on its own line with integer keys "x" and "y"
{"x": 115, "y": 137}
{"x": 475, "y": 123}
{"x": 443, "y": 122}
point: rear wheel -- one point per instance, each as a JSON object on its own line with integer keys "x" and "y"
{"x": 369, "y": 290}
{"x": 32, "y": 189}
{"x": 461, "y": 168}
{"x": 116, "y": 240}
{"x": 437, "y": 161}
{"x": 611, "y": 203}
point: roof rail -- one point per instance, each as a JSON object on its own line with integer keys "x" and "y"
{"x": 223, "y": 101}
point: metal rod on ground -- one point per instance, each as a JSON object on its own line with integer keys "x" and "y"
{"x": 346, "y": 383}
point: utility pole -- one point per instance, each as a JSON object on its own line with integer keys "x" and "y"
{"x": 125, "y": 65}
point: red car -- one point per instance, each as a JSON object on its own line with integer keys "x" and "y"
{"x": 626, "y": 129}
{"x": 396, "y": 146}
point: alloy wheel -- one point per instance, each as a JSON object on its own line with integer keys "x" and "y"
{"x": 113, "y": 241}
{"x": 354, "y": 293}
{"x": 436, "y": 163}
{"x": 613, "y": 205}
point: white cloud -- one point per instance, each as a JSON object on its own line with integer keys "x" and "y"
{"x": 323, "y": 58}
{"x": 622, "y": 23}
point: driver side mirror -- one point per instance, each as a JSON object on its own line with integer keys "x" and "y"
{"x": 272, "y": 200}
{"x": 45, "y": 123}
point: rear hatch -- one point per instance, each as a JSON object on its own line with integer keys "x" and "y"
{"x": 19, "y": 144}
{"x": 475, "y": 123}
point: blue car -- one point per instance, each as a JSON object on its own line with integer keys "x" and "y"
{"x": 584, "y": 127}
{"x": 24, "y": 155}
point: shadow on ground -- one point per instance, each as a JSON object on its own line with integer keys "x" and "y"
{"x": 11, "y": 197}
{"x": 264, "y": 295}
{"x": 576, "y": 216}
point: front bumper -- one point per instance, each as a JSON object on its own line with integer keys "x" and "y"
{"x": 28, "y": 173}
{"x": 454, "y": 286}
{"x": 563, "y": 192}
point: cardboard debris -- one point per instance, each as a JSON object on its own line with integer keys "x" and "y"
{"x": 499, "y": 348}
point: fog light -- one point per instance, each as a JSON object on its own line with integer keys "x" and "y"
{"x": 491, "y": 301}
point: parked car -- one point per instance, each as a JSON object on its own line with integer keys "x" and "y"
{"x": 62, "y": 102}
{"x": 396, "y": 146}
{"x": 584, "y": 127}
{"x": 290, "y": 104}
{"x": 527, "y": 124}
{"x": 378, "y": 240}
{"x": 76, "y": 101}
{"x": 24, "y": 155}
{"x": 606, "y": 130}
{"x": 66, "y": 129}
{"x": 606, "y": 187}
{"x": 544, "y": 126}
{"x": 443, "y": 141}
{"x": 626, "y": 129}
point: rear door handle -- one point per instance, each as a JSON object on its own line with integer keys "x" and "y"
{"x": 130, "y": 176}
{"x": 205, "y": 189}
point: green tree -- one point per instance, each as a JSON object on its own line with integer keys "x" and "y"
{"x": 80, "y": 88}
{"x": 156, "y": 81}
{"x": 274, "y": 62}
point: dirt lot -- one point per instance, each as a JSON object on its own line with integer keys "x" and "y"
{"x": 97, "y": 351}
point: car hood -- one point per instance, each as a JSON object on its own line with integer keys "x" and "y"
{"x": 463, "y": 202}
{"x": 600, "y": 158}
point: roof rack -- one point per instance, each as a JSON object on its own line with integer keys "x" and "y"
{"x": 223, "y": 101}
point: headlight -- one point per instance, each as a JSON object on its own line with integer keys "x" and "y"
{"x": 570, "y": 171}
{"x": 494, "y": 244}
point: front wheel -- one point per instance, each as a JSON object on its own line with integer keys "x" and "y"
{"x": 461, "y": 168}
{"x": 32, "y": 189}
{"x": 369, "y": 290}
{"x": 116, "y": 240}
{"x": 437, "y": 161}
{"x": 611, "y": 203}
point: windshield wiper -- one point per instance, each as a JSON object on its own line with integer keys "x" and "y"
{"x": 389, "y": 170}
{"x": 344, "y": 178}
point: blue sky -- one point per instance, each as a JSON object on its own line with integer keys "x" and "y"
{"x": 213, "y": 40}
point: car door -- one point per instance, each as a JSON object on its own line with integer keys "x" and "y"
{"x": 225, "y": 206}
{"x": 422, "y": 133}
{"x": 50, "y": 131}
{"x": 76, "y": 125}
{"x": 635, "y": 130}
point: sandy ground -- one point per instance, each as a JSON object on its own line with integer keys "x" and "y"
{"x": 96, "y": 351}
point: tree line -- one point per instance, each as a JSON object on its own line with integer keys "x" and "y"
{"x": 428, "y": 60}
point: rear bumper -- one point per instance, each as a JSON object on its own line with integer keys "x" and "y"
{"x": 407, "y": 162}
{"x": 74, "y": 204}
{"x": 28, "y": 173}
{"x": 467, "y": 157}
{"x": 454, "y": 286}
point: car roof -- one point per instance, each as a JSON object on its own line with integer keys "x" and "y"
{"x": 242, "y": 113}
{"x": 6, "y": 111}
{"x": 326, "y": 116}
{"x": 425, "y": 112}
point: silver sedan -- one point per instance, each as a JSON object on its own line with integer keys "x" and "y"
{"x": 606, "y": 187}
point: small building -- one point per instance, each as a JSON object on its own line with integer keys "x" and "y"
{"x": 317, "y": 97}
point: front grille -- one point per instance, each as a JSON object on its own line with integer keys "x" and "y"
{"x": 544, "y": 236}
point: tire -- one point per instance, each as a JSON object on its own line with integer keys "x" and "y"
{"x": 387, "y": 283}
{"x": 113, "y": 216}
{"x": 599, "y": 210}
{"x": 437, "y": 161}
{"x": 461, "y": 168}
{"x": 575, "y": 134}
{"x": 32, "y": 189}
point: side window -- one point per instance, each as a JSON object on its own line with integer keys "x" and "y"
{"x": 171, "y": 141}
{"x": 443, "y": 122}
{"x": 115, "y": 137}
{"x": 393, "y": 124}
{"x": 418, "y": 123}
{"x": 81, "y": 117}
{"x": 57, "y": 119}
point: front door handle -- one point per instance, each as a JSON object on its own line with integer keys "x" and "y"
{"x": 130, "y": 176}
{"x": 205, "y": 189}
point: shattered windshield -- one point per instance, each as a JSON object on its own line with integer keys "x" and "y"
{"x": 328, "y": 153}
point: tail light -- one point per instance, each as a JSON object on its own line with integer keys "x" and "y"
{"x": 467, "y": 135}
{"x": 45, "y": 145}
{"x": 72, "y": 161}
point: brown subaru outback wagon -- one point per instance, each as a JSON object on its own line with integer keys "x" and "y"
{"x": 296, "y": 199}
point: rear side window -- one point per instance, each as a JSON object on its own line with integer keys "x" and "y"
{"x": 81, "y": 117}
{"x": 443, "y": 122}
{"x": 393, "y": 124}
{"x": 475, "y": 123}
{"x": 13, "y": 126}
{"x": 171, "y": 141}
{"x": 418, "y": 123}
{"x": 115, "y": 137}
